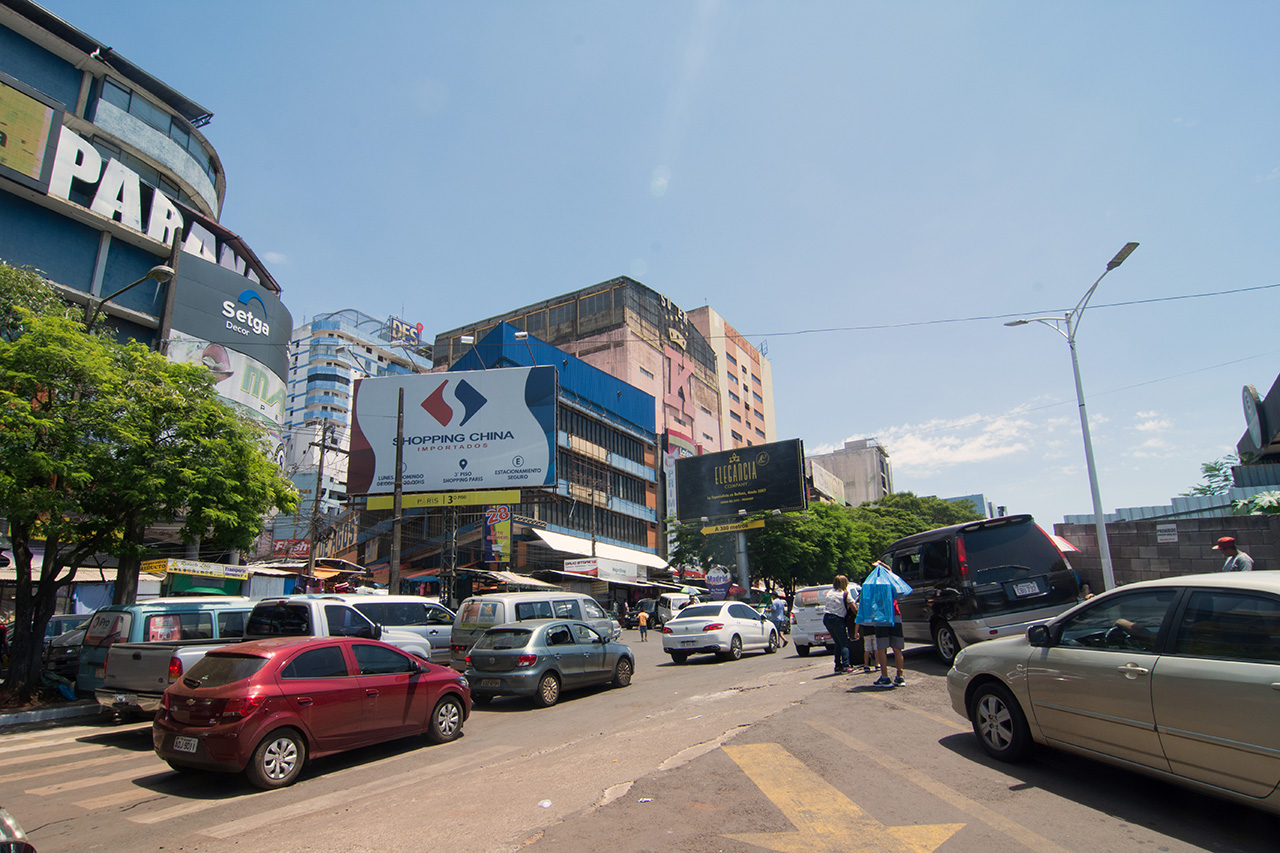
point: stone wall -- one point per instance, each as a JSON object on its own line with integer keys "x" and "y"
{"x": 1137, "y": 555}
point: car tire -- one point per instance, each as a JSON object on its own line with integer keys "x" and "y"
{"x": 679, "y": 657}
{"x": 622, "y": 673}
{"x": 998, "y": 723}
{"x": 278, "y": 760}
{"x": 945, "y": 642}
{"x": 480, "y": 699}
{"x": 735, "y": 649}
{"x": 803, "y": 651}
{"x": 446, "y": 720}
{"x": 548, "y": 692}
{"x": 773, "y": 643}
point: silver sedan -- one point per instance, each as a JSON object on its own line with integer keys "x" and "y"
{"x": 1177, "y": 678}
{"x": 723, "y": 628}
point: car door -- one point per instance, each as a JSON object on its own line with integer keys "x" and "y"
{"x": 325, "y": 695}
{"x": 567, "y": 652}
{"x": 915, "y": 607}
{"x": 751, "y": 626}
{"x": 1216, "y": 692}
{"x": 596, "y": 664}
{"x": 396, "y": 697}
{"x": 1092, "y": 688}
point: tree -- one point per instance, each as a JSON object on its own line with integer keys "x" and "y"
{"x": 1263, "y": 503}
{"x": 882, "y": 522}
{"x": 98, "y": 440}
{"x": 24, "y": 292}
{"x": 803, "y": 549}
{"x": 693, "y": 549}
{"x": 1216, "y": 475}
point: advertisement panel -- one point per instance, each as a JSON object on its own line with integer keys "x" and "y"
{"x": 497, "y": 534}
{"x": 464, "y": 430}
{"x": 756, "y": 479}
{"x": 28, "y": 138}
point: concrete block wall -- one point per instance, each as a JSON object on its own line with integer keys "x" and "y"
{"x": 1137, "y": 555}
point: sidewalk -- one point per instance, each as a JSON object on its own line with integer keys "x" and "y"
{"x": 51, "y": 712}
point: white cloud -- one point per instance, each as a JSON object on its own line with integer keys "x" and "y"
{"x": 928, "y": 448}
{"x": 1154, "y": 425}
{"x": 275, "y": 257}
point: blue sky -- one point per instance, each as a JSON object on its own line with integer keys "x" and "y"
{"x": 800, "y": 166}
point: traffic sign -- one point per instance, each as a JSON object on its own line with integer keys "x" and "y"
{"x": 733, "y": 526}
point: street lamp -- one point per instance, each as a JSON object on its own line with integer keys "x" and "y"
{"x": 160, "y": 273}
{"x": 1067, "y": 327}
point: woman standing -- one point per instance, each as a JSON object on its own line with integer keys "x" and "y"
{"x": 833, "y": 619}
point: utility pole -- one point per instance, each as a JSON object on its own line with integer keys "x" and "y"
{"x": 393, "y": 568}
{"x": 323, "y": 444}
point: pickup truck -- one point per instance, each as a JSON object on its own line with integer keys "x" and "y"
{"x": 136, "y": 674}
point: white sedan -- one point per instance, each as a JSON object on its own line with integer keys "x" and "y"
{"x": 722, "y": 628}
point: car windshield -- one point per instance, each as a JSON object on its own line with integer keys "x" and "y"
{"x": 700, "y": 611}
{"x": 217, "y": 670}
{"x": 506, "y": 638}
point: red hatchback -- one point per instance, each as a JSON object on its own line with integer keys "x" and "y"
{"x": 264, "y": 707}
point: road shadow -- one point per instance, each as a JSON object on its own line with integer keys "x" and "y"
{"x": 130, "y": 736}
{"x": 1198, "y": 819}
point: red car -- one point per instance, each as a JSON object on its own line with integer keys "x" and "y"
{"x": 264, "y": 707}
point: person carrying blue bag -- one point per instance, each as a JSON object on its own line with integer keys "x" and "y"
{"x": 879, "y": 609}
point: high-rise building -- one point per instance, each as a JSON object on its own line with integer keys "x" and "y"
{"x": 745, "y": 379}
{"x": 863, "y": 467}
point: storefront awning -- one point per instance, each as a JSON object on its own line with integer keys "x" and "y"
{"x": 519, "y": 580}
{"x": 579, "y": 545}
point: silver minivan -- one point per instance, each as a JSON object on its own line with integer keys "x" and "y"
{"x": 428, "y": 619}
{"x": 480, "y": 612}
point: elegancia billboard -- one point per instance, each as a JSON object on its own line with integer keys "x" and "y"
{"x": 755, "y": 479}
{"x": 463, "y": 430}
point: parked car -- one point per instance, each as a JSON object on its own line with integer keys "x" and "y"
{"x": 979, "y": 581}
{"x": 412, "y": 613}
{"x": 543, "y": 658}
{"x": 807, "y": 628}
{"x": 671, "y": 603}
{"x": 266, "y": 707}
{"x": 156, "y": 620}
{"x": 1175, "y": 678}
{"x": 479, "y": 613}
{"x": 723, "y": 628}
{"x": 62, "y": 653}
{"x": 648, "y": 605}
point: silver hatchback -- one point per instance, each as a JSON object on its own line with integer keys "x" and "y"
{"x": 541, "y": 658}
{"x": 1177, "y": 678}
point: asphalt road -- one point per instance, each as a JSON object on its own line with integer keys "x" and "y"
{"x": 768, "y": 753}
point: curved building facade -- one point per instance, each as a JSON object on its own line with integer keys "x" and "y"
{"x": 105, "y": 174}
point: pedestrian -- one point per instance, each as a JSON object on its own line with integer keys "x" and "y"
{"x": 833, "y": 616}
{"x": 880, "y": 592}
{"x": 1237, "y": 560}
{"x": 866, "y": 632}
{"x": 778, "y": 615}
{"x": 642, "y": 619}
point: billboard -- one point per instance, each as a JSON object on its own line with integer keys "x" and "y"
{"x": 470, "y": 429}
{"x": 755, "y": 479}
{"x": 28, "y": 133}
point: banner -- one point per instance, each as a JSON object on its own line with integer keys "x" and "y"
{"x": 497, "y": 534}
{"x": 751, "y": 479}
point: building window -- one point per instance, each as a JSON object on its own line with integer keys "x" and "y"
{"x": 733, "y": 380}
{"x": 729, "y": 357}
{"x": 709, "y": 439}
{"x": 734, "y": 397}
{"x": 147, "y": 112}
{"x": 736, "y": 436}
{"x": 735, "y": 416}
{"x": 706, "y": 411}
{"x": 646, "y": 373}
{"x": 755, "y": 379}
{"x": 760, "y": 432}
{"x": 759, "y": 399}
{"x": 758, "y": 415}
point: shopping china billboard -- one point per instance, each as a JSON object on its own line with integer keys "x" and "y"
{"x": 463, "y": 430}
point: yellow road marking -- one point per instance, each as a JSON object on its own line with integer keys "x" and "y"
{"x": 824, "y": 818}
{"x": 991, "y": 818}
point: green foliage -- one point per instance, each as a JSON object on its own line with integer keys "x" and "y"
{"x": 1216, "y": 476}
{"x": 882, "y": 522}
{"x": 1263, "y": 503}
{"x": 803, "y": 549}
{"x": 24, "y": 291}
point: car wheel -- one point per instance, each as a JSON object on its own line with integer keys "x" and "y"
{"x": 773, "y": 643}
{"x": 446, "y": 720}
{"x": 548, "y": 691}
{"x": 999, "y": 723}
{"x": 803, "y": 651}
{"x": 622, "y": 673}
{"x": 679, "y": 657}
{"x": 946, "y": 643}
{"x": 480, "y": 699}
{"x": 278, "y": 759}
{"x": 735, "y": 648}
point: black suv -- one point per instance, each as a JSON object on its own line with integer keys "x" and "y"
{"x": 980, "y": 580}
{"x": 648, "y": 605}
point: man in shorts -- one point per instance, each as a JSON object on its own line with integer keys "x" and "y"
{"x": 890, "y": 636}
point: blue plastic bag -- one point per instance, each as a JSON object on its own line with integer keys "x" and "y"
{"x": 879, "y": 590}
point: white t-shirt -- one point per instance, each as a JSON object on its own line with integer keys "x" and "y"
{"x": 835, "y": 603}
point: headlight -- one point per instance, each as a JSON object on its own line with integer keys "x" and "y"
{"x": 958, "y": 658}
{"x": 462, "y": 680}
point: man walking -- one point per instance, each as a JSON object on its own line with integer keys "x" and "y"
{"x": 1237, "y": 561}
{"x": 778, "y": 615}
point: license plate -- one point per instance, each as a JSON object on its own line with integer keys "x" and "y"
{"x": 1026, "y": 588}
{"x": 100, "y": 673}
{"x": 490, "y": 682}
{"x": 822, "y": 638}
{"x": 123, "y": 699}
{"x": 688, "y": 642}
{"x": 184, "y": 744}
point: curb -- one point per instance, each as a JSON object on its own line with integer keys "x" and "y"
{"x": 62, "y": 712}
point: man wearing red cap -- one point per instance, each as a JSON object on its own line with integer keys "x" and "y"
{"x": 1237, "y": 561}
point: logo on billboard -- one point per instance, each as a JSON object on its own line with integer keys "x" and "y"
{"x": 243, "y": 320}
{"x": 472, "y": 401}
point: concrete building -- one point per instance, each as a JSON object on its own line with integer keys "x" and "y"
{"x": 862, "y": 465}
{"x": 745, "y": 379}
{"x": 326, "y": 356}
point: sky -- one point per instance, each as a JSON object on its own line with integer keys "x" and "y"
{"x": 869, "y": 190}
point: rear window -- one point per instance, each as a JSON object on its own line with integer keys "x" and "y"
{"x": 1022, "y": 546}
{"x": 165, "y": 627}
{"x": 811, "y": 597}
{"x": 700, "y": 611}
{"x": 217, "y": 670}
{"x": 504, "y": 638}
{"x": 107, "y": 628}
{"x": 533, "y": 610}
{"x": 279, "y": 620}
{"x": 476, "y": 613}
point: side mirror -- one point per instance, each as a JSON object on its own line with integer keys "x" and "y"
{"x": 1040, "y": 636}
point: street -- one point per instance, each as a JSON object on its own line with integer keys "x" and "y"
{"x": 768, "y": 753}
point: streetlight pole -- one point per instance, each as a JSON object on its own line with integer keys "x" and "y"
{"x": 393, "y": 568}
{"x": 1072, "y": 323}
{"x": 160, "y": 274}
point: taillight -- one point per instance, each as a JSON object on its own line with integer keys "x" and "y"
{"x": 164, "y": 701}
{"x": 962, "y": 559}
{"x": 667, "y": 630}
{"x": 468, "y": 660}
{"x": 242, "y": 706}
{"x": 175, "y": 669}
{"x": 714, "y": 626}
{"x": 458, "y": 648}
{"x": 526, "y": 660}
